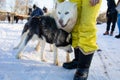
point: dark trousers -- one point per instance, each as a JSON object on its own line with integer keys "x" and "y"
{"x": 111, "y": 19}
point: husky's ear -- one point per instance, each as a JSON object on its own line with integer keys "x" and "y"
{"x": 68, "y": 38}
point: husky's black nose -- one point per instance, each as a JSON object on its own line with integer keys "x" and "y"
{"x": 61, "y": 22}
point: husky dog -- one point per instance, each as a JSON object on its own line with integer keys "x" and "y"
{"x": 45, "y": 28}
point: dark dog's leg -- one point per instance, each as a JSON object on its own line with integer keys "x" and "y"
{"x": 23, "y": 44}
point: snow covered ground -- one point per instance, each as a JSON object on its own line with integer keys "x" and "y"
{"x": 105, "y": 64}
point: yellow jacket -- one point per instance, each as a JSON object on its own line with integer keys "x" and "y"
{"x": 84, "y": 32}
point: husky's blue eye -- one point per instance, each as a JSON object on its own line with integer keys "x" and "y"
{"x": 66, "y": 13}
{"x": 59, "y": 13}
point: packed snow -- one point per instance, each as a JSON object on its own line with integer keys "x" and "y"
{"x": 105, "y": 64}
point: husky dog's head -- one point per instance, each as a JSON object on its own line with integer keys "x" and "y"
{"x": 66, "y": 15}
{"x": 63, "y": 40}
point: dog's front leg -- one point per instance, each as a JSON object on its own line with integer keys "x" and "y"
{"x": 42, "y": 50}
{"x": 56, "y": 62}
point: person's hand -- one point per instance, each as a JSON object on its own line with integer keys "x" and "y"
{"x": 94, "y": 2}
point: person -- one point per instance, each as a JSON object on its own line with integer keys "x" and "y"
{"x": 36, "y": 12}
{"x": 8, "y": 16}
{"x": 45, "y": 9}
{"x": 111, "y": 15}
{"x": 118, "y": 21}
{"x": 29, "y": 11}
{"x": 84, "y": 37}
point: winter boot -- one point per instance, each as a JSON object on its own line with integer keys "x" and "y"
{"x": 74, "y": 63}
{"x": 83, "y": 66}
{"x": 81, "y": 74}
{"x": 117, "y": 36}
{"x": 106, "y": 33}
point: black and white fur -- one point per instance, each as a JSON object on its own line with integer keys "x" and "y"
{"x": 45, "y": 28}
